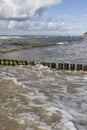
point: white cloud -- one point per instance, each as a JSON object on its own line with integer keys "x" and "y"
{"x": 12, "y": 24}
{"x": 23, "y": 8}
{"x": 41, "y": 26}
{"x": 31, "y": 25}
{"x": 76, "y": 19}
{"x": 35, "y": 26}
{"x": 62, "y": 17}
{"x": 21, "y": 15}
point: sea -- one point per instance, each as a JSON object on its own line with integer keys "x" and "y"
{"x": 38, "y": 97}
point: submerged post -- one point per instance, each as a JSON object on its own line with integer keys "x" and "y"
{"x": 15, "y": 62}
{"x": 72, "y": 66}
{"x": 31, "y": 63}
{"x": 60, "y": 66}
{"x": 6, "y": 62}
{"x": 11, "y": 62}
{"x": 2, "y": 62}
{"x": 25, "y": 63}
{"x": 43, "y": 63}
{"x": 85, "y": 68}
{"x": 47, "y": 64}
{"x": 66, "y": 66}
{"x": 20, "y": 63}
{"x": 53, "y": 65}
{"x": 79, "y": 67}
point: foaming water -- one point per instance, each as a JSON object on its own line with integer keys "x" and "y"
{"x": 62, "y": 43}
{"x": 38, "y": 98}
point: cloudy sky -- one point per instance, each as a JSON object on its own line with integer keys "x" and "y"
{"x": 48, "y": 17}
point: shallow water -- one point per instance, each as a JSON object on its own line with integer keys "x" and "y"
{"x": 37, "y": 98}
{"x": 40, "y": 98}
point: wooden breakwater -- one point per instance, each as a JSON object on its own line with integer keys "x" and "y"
{"x": 59, "y": 66}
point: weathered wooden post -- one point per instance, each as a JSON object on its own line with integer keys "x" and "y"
{"x": 11, "y": 62}
{"x": 25, "y": 63}
{"x": 6, "y": 62}
{"x": 60, "y": 66}
{"x": 79, "y": 67}
{"x": 85, "y": 68}
{"x": 72, "y": 66}
{"x": 31, "y": 63}
{"x": 66, "y": 66}
{"x": 20, "y": 63}
{"x": 53, "y": 65}
{"x": 2, "y": 62}
{"x": 15, "y": 62}
{"x": 48, "y": 64}
{"x": 43, "y": 63}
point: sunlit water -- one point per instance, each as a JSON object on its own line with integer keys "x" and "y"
{"x": 39, "y": 98}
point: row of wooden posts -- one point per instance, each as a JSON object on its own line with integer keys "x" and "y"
{"x": 60, "y": 66}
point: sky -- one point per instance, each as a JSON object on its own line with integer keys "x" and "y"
{"x": 43, "y": 17}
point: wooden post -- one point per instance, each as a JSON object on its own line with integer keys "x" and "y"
{"x": 66, "y": 66}
{"x": 31, "y": 63}
{"x": 20, "y": 63}
{"x": 11, "y": 62}
{"x": 6, "y": 62}
{"x": 2, "y": 62}
{"x": 72, "y": 66}
{"x": 15, "y": 63}
{"x": 48, "y": 64}
{"x": 60, "y": 66}
{"x": 53, "y": 65}
{"x": 79, "y": 67}
{"x": 43, "y": 63}
{"x": 25, "y": 63}
{"x": 85, "y": 68}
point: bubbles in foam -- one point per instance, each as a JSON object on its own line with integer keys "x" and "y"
{"x": 69, "y": 126}
{"x": 42, "y": 106}
{"x": 15, "y": 81}
{"x": 81, "y": 118}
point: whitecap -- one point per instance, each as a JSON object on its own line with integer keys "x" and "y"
{"x": 60, "y": 43}
{"x": 15, "y": 81}
{"x": 69, "y": 126}
{"x": 80, "y": 118}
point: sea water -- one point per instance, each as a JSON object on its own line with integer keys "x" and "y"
{"x": 37, "y": 97}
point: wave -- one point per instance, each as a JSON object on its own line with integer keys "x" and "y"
{"x": 10, "y": 37}
{"x": 62, "y": 43}
{"x": 8, "y": 51}
{"x": 17, "y": 46}
{"x": 24, "y": 44}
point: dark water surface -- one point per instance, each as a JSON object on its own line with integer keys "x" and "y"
{"x": 43, "y": 48}
{"x": 36, "y": 97}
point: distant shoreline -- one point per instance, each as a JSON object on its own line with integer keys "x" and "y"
{"x": 41, "y": 35}
{"x": 85, "y": 34}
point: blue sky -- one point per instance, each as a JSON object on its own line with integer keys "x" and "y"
{"x": 46, "y": 17}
